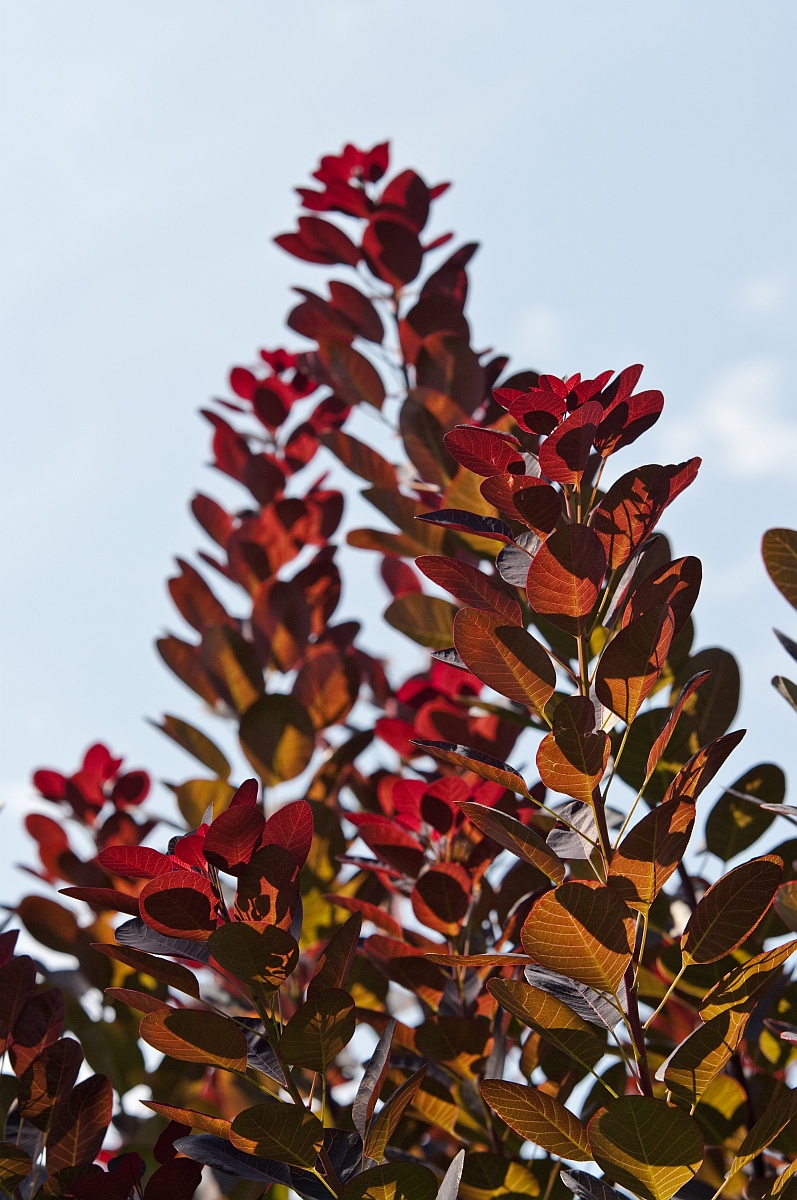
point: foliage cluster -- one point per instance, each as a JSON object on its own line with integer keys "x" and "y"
{"x": 548, "y": 999}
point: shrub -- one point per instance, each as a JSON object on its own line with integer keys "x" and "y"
{"x": 547, "y": 999}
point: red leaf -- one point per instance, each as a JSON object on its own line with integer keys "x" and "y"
{"x": 627, "y": 420}
{"x": 632, "y": 506}
{"x": 660, "y": 744}
{"x": 104, "y": 898}
{"x": 233, "y": 836}
{"x": 175, "y": 1180}
{"x": 79, "y": 1124}
{"x": 676, "y": 584}
{"x": 292, "y": 828}
{"x": 319, "y": 241}
{"x": 181, "y": 904}
{"x": 392, "y": 249}
{"x": 135, "y": 862}
{"x": 389, "y": 842}
{"x": 539, "y": 505}
{"x": 246, "y": 794}
{"x": 441, "y": 897}
{"x": 485, "y": 451}
{"x": 632, "y": 662}
{"x": 537, "y": 411}
{"x": 38, "y": 1026}
{"x": 565, "y": 453}
{"x": 51, "y": 784}
{"x": 470, "y": 587}
{"x": 565, "y": 577}
{"x": 399, "y": 577}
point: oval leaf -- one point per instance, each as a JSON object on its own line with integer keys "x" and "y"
{"x": 538, "y": 1118}
{"x": 565, "y": 577}
{"x": 283, "y": 1132}
{"x": 515, "y": 837}
{"x": 731, "y": 909}
{"x": 581, "y": 929}
{"x": 646, "y": 1145}
{"x": 277, "y": 737}
{"x": 505, "y": 657}
{"x": 318, "y": 1030}
{"x": 193, "y": 1035}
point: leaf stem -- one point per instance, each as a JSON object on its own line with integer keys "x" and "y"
{"x": 667, "y": 995}
{"x": 637, "y": 1032}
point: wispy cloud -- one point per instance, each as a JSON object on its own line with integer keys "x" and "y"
{"x": 738, "y": 422}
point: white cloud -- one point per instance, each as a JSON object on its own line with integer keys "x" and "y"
{"x": 763, "y": 295}
{"x": 738, "y": 419}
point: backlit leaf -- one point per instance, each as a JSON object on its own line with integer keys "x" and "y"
{"x": 572, "y": 758}
{"x": 268, "y": 889}
{"x": 188, "y": 1116}
{"x": 197, "y": 744}
{"x": 233, "y": 666}
{"x": 48, "y": 1079}
{"x": 283, "y": 1132}
{"x": 697, "y": 773}
{"x": 735, "y": 823}
{"x": 646, "y": 1145}
{"x": 773, "y": 1119}
{"x": 551, "y": 1018}
{"x": 428, "y": 620}
{"x": 386, "y": 1120}
{"x": 181, "y": 904}
{"x": 690, "y": 1069}
{"x": 584, "y": 930}
{"x": 262, "y": 957}
{"x": 480, "y": 764}
{"x": 519, "y": 839}
{"x": 318, "y": 1030}
{"x": 15, "y": 1165}
{"x": 539, "y": 507}
{"x": 441, "y": 897}
{"x": 565, "y": 452}
{"x": 779, "y": 551}
{"x": 394, "y": 1181}
{"x": 277, "y": 737}
{"x": 360, "y": 458}
{"x": 79, "y": 1123}
{"x": 538, "y": 1117}
{"x": 663, "y": 739}
{"x": 232, "y": 837}
{"x": 505, "y": 657}
{"x": 731, "y": 909}
{"x": 714, "y": 707}
{"x": 631, "y": 664}
{"x": 736, "y": 989}
{"x": 676, "y": 584}
{"x": 470, "y": 587}
{"x": 651, "y": 852}
{"x": 327, "y": 685}
{"x": 565, "y": 577}
{"x": 351, "y": 375}
{"x": 193, "y": 1035}
{"x": 484, "y": 451}
{"x": 335, "y": 961}
{"x": 104, "y": 898}
{"x": 173, "y": 974}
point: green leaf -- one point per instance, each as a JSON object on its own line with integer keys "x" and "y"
{"x": 646, "y": 1145}
{"x": 386, "y": 1120}
{"x": 779, "y": 551}
{"x": 196, "y": 743}
{"x": 394, "y": 1181}
{"x": 519, "y": 839}
{"x": 318, "y": 1030}
{"x": 193, "y": 1035}
{"x": 551, "y": 1018}
{"x": 735, "y": 823}
{"x": 428, "y": 620}
{"x": 731, "y": 909}
{"x": 284, "y": 1132}
{"x": 195, "y": 796}
{"x": 584, "y": 930}
{"x": 504, "y": 657}
{"x": 538, "y": 1118}
{"x": 265, "y": 958}
{"x": 277, "y": 737}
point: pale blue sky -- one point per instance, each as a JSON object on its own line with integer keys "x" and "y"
{"x": 628, "y": 167}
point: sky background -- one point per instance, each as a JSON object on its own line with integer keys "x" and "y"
{"x": 629, "y": 169}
